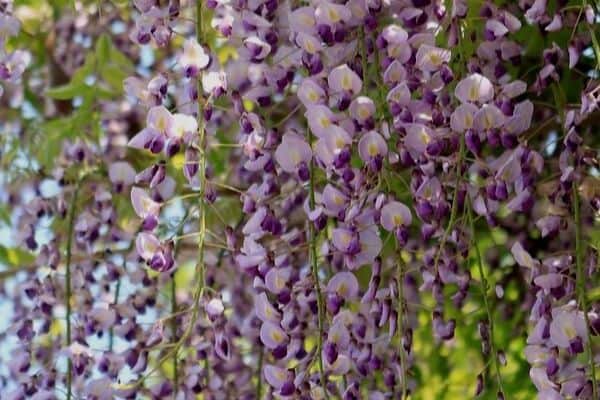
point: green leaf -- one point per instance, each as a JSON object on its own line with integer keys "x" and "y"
{"x": 103, "y": 49}
{"x": 15, "y": 257}
{"x": 121, "y": 60}
{"x": 5, "y": 215}
{"x": 77, "y": 86}
{"x": 596, "y": 47}
{"x": 68, "y": 91}
{"x": 88, "y": 68}
{"x": 113, "y": 76}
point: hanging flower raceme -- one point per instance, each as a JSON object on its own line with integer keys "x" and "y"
{"x": 287, "y": 200}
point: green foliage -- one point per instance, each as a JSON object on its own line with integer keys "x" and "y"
{"x": 15, "y": 257}
{"x": 100, "y": 77}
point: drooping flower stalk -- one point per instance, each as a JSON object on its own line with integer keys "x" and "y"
{"x": 454, "y": 210}
{"x": 68, "y": 286}
{"x": 484, "y": 285}
{"x": 174, "y": 333}
{"x": 401, "y": 305}
{"x": 315, "y": 275}
{"x": 259, "y": 371}
{"x": 200, "y": 266}
{"x": 580, "y": 287}
{"x": 111, "y": 332}
{"x": 68, "y": 294}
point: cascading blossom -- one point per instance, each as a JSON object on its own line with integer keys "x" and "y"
{"x": 319, "y": 200}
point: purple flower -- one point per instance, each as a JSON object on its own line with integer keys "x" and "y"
{"x": 474, "y": 88}
{"x": 272, "y": 336}
{"x": 568, "y": 329}
{"x": 359, "y": 247}
{"x": 430, "y": 58}
{"x": 145, "y": 207}
{"x": 344, "y": 284}
{"x": 372, "y": 146}
{"x": 343, "y": 80}
{"x": 193, "y": 58}
{"x": 293, "y": 153}
{"x": 265, "y": 310}
{"x": 395, "y": 215}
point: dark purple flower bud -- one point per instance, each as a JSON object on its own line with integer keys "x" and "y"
{"x": 143, "y": 37}
{"x": 429, "y": 97}
{"x": 402, "y": 235}
{"x": 303, "y": 172}
{"x": 573, "y": 141}
{"x": 438, "y": 119}
{"x": 389, "y": 378}
{"x": 190, "y": 71}
{"x": 509, "y": 140}
{"x": 493, "y": 138}
{"x": 551, "y": 366}
{"x": 321, "y": 222}
{"x": 331, "y": 352}
{"x": 334, "y": 303}
{"x": 424, "y": 210}
{"x": 507, "y": 107}
{"x": 380, "y": 42}
{"x": 405, "y": 158}
{"x": 340, "y": 34}
{"x": 441, "y": 210}
{"x": 342, "y": 159}
{"x": 576, "y": 345}
{"x": 149, "y": 223}
{"x": 249, "y": 205}
{"x": 446, "y": 74}
{"x": 279, "y": 352}
{"x": 375, "y": 363}
{"x": 284, "y": 297}
{"x": 490, "y": 191}
{"x": 376, "y": 163}
{"x": 31, "y": 243}
{"x": 479, "y": 386}
{"x": 325, "y": 33}
{"x": 344, "y": 102}
{"x": 473, "y": 142}
{"x": 348, "y": 175}
{"x": 427, "y": 231}
{"x": 434, "y": 148}
{"x": 288, "y": 388}
{"x": 370, "y": 22}
{"x": 25, "y": 332}
{"x": 157, "y": 144}
{"x": 131, "y": 358}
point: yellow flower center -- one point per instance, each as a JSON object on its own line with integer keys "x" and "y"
{"x": 473, "y": 93}
{"x": 397, "y": 219}
{"x": 373, "y": 150}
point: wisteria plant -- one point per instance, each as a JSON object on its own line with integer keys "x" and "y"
{"x": 285, "y": 199}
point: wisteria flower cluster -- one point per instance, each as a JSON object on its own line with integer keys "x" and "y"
{"x": 326, "y": 199}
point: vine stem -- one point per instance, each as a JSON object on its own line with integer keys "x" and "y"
{"x": 315, "y": 274}
{"x": 484, "y": 294}
{"x": 174, "y": 331}
{"x": 580, "y": 288}
{"x": 454, "y": 210}
{"x": 111, "y": 332}
{"x": 174, "y": 307}
{"x": 403, "y": 354}
{"x": 200, "y": 267}
{"x": 259, "y": 374}
{"x": 69, "y": 256}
